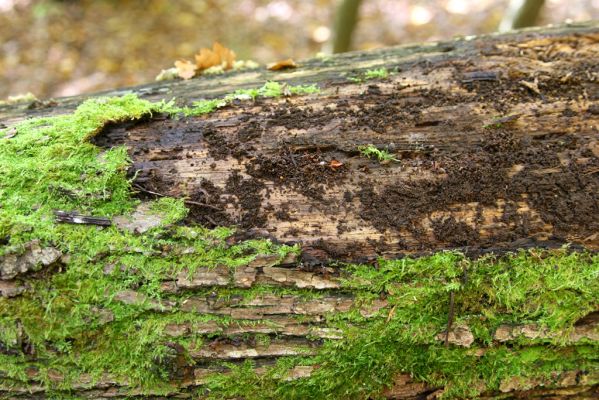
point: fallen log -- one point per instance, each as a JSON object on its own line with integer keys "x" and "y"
{"x": 412, "y": 222}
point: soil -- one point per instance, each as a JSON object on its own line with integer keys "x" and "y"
{"x": 288, "y": 147}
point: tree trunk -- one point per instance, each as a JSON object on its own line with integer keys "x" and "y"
{"x": 481, "y": 145}
{"x": 346, "y": 19}
{"x": 521, "y": 14}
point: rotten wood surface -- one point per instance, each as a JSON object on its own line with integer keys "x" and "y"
{"x": 498, "y": 147}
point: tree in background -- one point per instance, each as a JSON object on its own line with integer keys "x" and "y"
{"x": 520, "y": 14}
{"x": 346, "y": 19}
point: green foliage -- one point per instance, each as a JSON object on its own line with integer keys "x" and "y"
{"x": 370, "y": 151}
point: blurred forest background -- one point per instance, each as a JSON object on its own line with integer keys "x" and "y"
{"x": 59, "y": 48}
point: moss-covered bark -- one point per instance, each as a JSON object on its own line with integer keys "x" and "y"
{"x": 155, "y": 305}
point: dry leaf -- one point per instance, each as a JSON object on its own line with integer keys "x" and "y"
{"x": 185, "y": 69}
{"x": 227, "y": 56}
{"x": 335, "y": 164}
{"x": 218, "y": 56}
{"x": 283, "y": 64}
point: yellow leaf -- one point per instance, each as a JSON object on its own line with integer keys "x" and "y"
{"x": 218, "y": 56}
{"x": 185, "y": 69}
{"x": 283, "y": 64}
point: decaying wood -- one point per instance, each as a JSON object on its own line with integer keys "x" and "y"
{"x": 497, "y": 146}
{"x": 495, "y": 149}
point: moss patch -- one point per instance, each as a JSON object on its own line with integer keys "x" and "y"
{"x": 49, "y": 164}
{"x": 378, "y": 73}
{"x": 69, "y": 323}
{"x": 371, "y": 151}
{"x": 551, "y": 289}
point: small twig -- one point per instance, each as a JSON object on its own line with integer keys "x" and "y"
{"x": 195, "y": 203}
{"x": 450, "y": 317}
{"x": 138, "y": 187}
{"x": 451, "y": 313}
{"x": 391, "y": 314}
{"x": 470, "y": 77}
{"x": 591, "y": 171}
{"x": 532, "y": 86}
{"x": 213, "y": 222}
{"x": 72, "y": 217}
{"x": 291, "y": 155}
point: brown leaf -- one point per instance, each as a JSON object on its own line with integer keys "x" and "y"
{"x": 218, "y": 56}
{"x": 227, "y": 56}
{"x": 283, "y": 64}
{"x": 335, "y": 164}
{"x": 185, "y": 69}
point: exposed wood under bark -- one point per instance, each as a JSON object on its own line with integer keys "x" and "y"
{"x": 483, "y": 163}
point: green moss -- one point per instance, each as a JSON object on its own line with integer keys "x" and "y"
{"x": 169, "y": 209}
{"x": 552, "y": 289}
{"x": 269, "y": 89}
{"x": 371, "y": 151}
{"x": 71, "y": 318}
{"x": 49, "y": 164}
{"x": 379, "y": 73}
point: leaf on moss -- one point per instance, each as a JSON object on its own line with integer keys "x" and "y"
{"x": 218, "y": 56}
{"x": 283, "y": 64}
{"x": 185, "y": 69}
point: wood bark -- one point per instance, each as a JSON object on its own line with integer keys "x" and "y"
{"x": 495, "y": 144}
